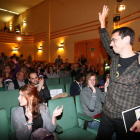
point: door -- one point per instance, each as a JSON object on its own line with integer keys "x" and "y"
{"x": 92, "y": 51}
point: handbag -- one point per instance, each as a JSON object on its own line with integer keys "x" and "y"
{"x": 42, "y": 134}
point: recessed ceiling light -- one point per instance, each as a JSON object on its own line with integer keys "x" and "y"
{"x": 9, "y": 11}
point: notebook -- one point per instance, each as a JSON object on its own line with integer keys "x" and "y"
{"x": 130, "y": 116}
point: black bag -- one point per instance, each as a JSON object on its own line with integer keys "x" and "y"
{"x": 42, "y": 134}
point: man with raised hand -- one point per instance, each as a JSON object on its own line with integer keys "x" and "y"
{"x": 124, "y": 87}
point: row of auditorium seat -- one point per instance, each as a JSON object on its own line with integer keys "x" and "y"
{"x": 65, "y": 80}
{"x": 9, "y": 99}
{"x": 69, "y": 128}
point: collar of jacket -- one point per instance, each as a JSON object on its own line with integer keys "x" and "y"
{"x": 131, "y": 68}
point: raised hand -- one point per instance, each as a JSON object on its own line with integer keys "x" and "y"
{"x": 14, "y": 60}
{"x": 57, "y": 111}
{"x": 28, "y": 114}
{"x": 58, "y": 70}
{"x": 40, "y": 84}
{"x": 106, "y": 85}
{"x": 103, "y": 15}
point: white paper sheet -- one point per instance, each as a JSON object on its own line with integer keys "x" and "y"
{"x": 55, "y": 92}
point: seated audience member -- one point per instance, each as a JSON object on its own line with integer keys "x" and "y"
{"x": 75, "y": 70}
{"x": 105, "y": 77}
{"x": 40, "y": 85}
{"x": 59, "y": 61}
{"x": 30, "y": 58}
{"x": 91, "y": 98}
{"x": 67, "y": 65}
{"x": 51, "y": 73}
{"x": 19, "y": 82}
{"x": 41, "y": 73}
{"x": 77, "y": 85}
{"x": 63, "y": 72}
{"x": 20, "y": 59}
{"x": 92, "y": 69}
{"x": 7, "y": 74}
{"x": 83, "y": 69}
{"x": 25, "y": 70}
{"x": 32, "y": 114}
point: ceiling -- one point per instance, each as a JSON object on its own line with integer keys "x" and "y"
{"x": 17, "y": 6}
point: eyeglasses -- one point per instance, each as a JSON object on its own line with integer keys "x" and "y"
{"x": 114, "y": 39}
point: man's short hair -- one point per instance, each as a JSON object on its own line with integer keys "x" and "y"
{"x": 31, "y": 73}
{"x": 20, "y": 72}
{"x": 79, "y": 77}
{"x": 126, "y": 31}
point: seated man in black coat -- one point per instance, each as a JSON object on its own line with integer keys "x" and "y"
{"x": 19, "y": 82}
{"x": 77, "y": 85}
{"x": 75, "y": 70}
{"x": 40, "y": 85}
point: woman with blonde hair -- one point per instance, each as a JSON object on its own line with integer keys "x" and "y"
{"x": 32, "y": 114}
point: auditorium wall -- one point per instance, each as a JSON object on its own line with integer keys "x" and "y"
{"x": 69, "y": 21}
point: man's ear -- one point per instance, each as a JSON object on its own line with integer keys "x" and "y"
{"x": 127, "y": 40}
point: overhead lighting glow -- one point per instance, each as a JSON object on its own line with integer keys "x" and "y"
{"x": 3, "y": 9}
{"x": 9, "y": 11}
{"x": 19, "y": 38}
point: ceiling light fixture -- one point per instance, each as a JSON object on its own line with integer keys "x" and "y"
{"x": 9, "y": 11}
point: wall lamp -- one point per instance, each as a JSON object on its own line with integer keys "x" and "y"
{"x": 24, "y": 22}
{"x": 10, "y": 26}
{"x": 61, "y": 46}
{"x": 15, "y": 49}
{"x": 120, "y": 8}
{"x": 40, "y": 48}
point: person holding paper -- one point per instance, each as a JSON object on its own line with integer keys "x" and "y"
{"x": 123, "y": 91}
{"x": 32, "y": 114}
{"x": 40, "y": 85}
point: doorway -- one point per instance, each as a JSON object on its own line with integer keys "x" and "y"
{"x": 92, "y": 51}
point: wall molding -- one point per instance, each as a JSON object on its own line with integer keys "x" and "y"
{"x": 128, "y": 21}
{"x": 77, "y": 29}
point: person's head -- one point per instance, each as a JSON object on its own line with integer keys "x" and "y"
{"x": 80, "y": 78}
{"x": 92, "y": 68}
{"x": 62, "y": 67}
{"x": 20, "y": 76}
{"x": 91, "y": 77}
{"x": 33, "y": 78}
{"x": 2, "y": 54}
{"x": 75, "y": 67}
{"x": 83, "y": 67}
{"x": 7, "y": 69}
{"x": 29, "y": 97}
{"x": 24, "y": 69}
{"x": 121, "y": 39}
{"x": 42, "y": 65}
{"x": 50, "y": 69}
{"x": 59, "y": 56}
{"x": 106, "y": 75}
{"x": 21, "y": 55}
